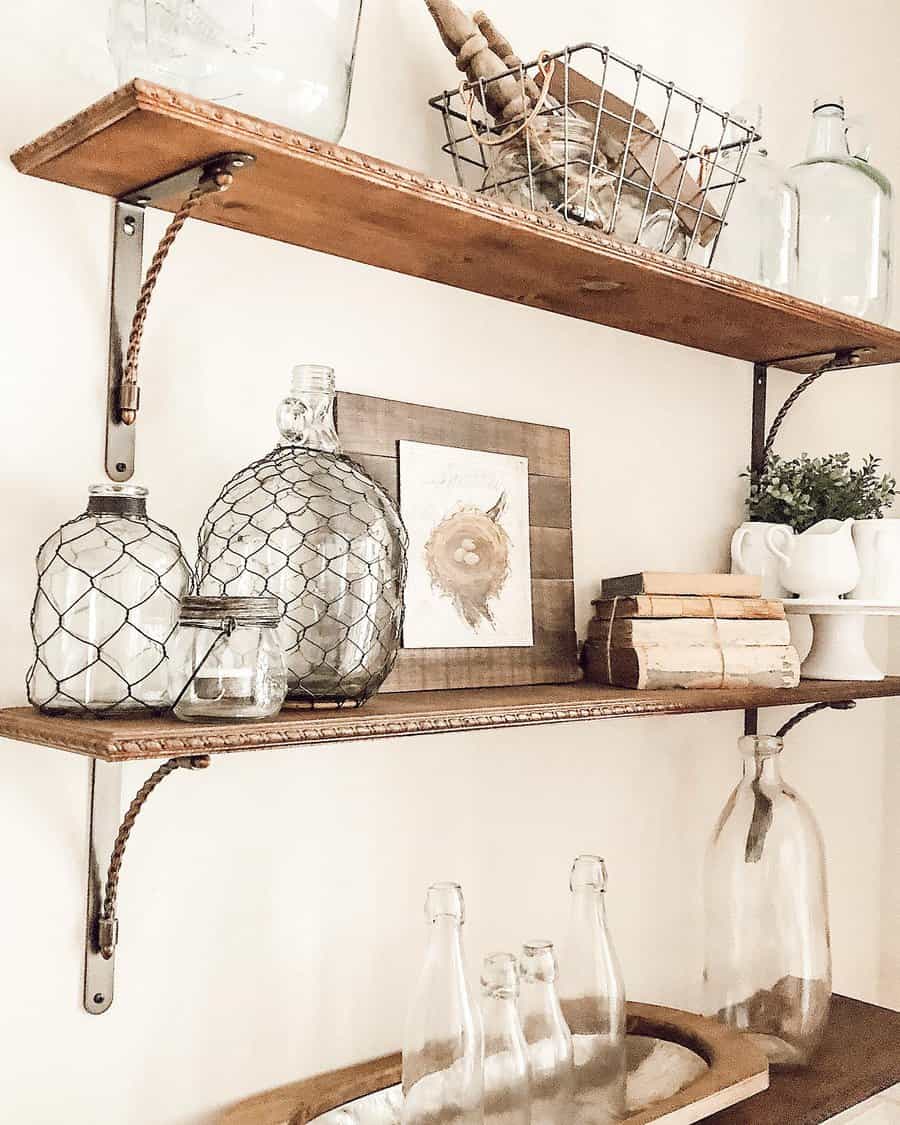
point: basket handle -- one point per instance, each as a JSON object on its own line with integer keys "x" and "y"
{"x": 547, "y": 66}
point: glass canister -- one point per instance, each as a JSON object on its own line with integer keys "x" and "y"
{"x": 288, "y": 61}
{"x": 768, "y": 952}
{"x": 109, "y": 586}
{"x": 845, "y": 221}
{"x": 760, "y": 241}
{"x": 226, "y": 662}
{"x": 310, "y": 526}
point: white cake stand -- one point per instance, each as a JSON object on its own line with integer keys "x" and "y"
{"x": 839, "y": 644}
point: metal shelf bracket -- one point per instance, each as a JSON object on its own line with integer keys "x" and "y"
{"x": 125, "y": 286}
{"x": 106, "y": 849}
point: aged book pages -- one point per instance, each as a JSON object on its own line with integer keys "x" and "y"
{"x": 669, "y": 582}
{"x": 648, "y": 667}
{"x": 671, "y": 605}
{"x": 687, "y": 632}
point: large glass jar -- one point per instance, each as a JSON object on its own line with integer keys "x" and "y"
{"x": 289, "y": 61}
{"x": 760, "y": 241}
{"x": 768, "y": 954}
{"x": 845, "y": 221}
{"x": 225, "y": 660}
{"x": 109, "y": 586}
{"x": 310, "y": 526}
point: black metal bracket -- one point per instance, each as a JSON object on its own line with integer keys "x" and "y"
{"x": 125, "y": 287}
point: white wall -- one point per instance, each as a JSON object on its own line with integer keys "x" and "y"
{"x": 271, "y": 906}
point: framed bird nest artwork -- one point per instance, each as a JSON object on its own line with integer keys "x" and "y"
{"x": 487, "y": 503}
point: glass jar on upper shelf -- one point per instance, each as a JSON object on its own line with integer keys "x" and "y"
{"x": 768, "y": 954}
{"x": 288, "y": 61}
{"x": 845, "y": 220}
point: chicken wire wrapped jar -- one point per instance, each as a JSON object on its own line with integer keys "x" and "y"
{"x": 598, "y": 141}
{"x": 311, "y": 527}
{"x": 109, "y": 587}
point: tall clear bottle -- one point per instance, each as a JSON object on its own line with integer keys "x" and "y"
{"x": 507, "y": 1094}
{"x": 768, "y": 954}
{"x": 845, "y": 221}
{"x": 593, "y": 999}
{"x": 761, "y": 238}
{"x": 443, "y": 1050}
{"x": 549, "y": 1041}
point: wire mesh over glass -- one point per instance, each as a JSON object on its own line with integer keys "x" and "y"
{"x": 311, "y": 527}
{"x": 602, "y": 144}
{"x": 109, "y": 587}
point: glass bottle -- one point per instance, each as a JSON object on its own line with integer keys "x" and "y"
{"x": 288, "y": 62}
{"x": 310, "y": 526}
{"x": 845, "y": 221}
{"x": 768, "y": 954}
{"x": 593, "y": 999}
{"x": 110, "y": 583}
{"x": 760, "y": 241}
{"x": 443, "y": 1051}
{"x": 507, "y": 1096}
{"x": 549, "y": 1042}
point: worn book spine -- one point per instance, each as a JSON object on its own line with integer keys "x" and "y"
{"x": 649, "y": 668}
{"x": 688, "y": 632}
{"x": 666, "y": 582}
{"x": 669, "y": 606}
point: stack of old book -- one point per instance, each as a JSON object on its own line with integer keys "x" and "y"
{"x": 663, "y": 630}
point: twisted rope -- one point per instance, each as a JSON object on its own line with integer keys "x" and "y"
{"x": 839, "y": 362}
{"x": 129, "y": 394}
{"x": 108, "y": 913}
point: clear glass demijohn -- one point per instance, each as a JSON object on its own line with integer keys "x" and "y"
{"x": 845, "y": 219}
{"x": 768, "y": 956}
{"x": 288, "y": 61}
{"x": 110, "y": 583}
{"x": 310, "y": 526}
{"x": 443, "y": 1049}
{"x": 760, "y": 241}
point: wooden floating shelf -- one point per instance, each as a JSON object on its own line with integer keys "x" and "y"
{"x": 328, "y": 198}
{"x": 406, "y": 713}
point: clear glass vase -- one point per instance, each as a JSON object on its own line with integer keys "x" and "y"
{"x": 845, "y": 221}
{"x": 593, "y": 999}
{"x": 310, "y": 526}
{"x": 443, "y": 1050}
{"x": 760, "y": 241}
{"x": 288, "y": 61}
{"x": 507, "y": 1095}
{"x": 768, "y": 953}
{"x": 109, "y": 587}
{"x": 547, "y": 1035}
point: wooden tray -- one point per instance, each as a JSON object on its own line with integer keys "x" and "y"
{"x": 736, "y": 1071}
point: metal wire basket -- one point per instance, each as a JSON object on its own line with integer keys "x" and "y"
{"x": 586, "y": 145}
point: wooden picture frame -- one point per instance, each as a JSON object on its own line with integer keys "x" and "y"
{"x": 370, "y": 430}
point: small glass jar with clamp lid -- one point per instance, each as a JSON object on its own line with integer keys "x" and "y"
{"x": 226, "y": 661}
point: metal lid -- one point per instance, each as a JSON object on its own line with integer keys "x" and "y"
{"x": 265, "y": 611}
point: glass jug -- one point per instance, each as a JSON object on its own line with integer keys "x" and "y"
{"x": 845, "y": 221}
{"x": 768, "y": 953}
{"x": 288, "y": 61}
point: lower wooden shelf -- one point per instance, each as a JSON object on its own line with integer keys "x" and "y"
{"x": 406, "y": 713}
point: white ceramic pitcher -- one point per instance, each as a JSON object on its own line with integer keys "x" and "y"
{"x": 821, "y": 564}
{"x": 878, "y": 547}
{"x": 751, "y": 554}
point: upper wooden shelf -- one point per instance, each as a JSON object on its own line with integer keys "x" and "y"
{"x": 392, "y": 715}
{"x": 332, "y": 199}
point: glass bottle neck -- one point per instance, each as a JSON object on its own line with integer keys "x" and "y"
{"x": 306, "y": 414}
{"x": 828, "y": 135}
{"x": 764, "y": 769}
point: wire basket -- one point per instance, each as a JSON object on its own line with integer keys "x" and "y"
{"x": 585, "y": 145}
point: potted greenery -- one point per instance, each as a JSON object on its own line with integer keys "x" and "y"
{"x": 819, "y": 493}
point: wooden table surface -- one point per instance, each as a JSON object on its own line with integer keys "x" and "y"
{"x": 859, "y": 1057}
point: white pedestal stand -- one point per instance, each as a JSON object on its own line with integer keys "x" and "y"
{"x": 839, "y": 646}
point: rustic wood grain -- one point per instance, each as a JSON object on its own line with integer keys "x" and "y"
{"x": 407, "y": 713}
{"x": 736, "y": 1070}
{"x": 328, "y": 198}
{"x": 371, "y": 430}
